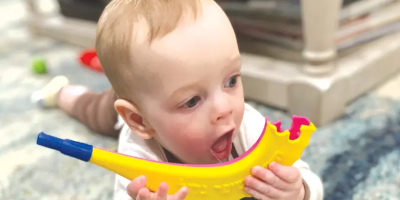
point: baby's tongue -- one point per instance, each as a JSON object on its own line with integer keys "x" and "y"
{"x": 220, "y": 144}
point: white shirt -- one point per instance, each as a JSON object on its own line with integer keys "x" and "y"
{"x": 250, "y": 130}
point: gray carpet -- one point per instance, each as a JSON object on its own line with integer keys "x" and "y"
{"x": 357, "y": 156}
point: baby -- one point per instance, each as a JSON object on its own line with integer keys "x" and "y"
{"x": 174, "y": 67}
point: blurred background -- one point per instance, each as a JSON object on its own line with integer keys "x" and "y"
{"x": 336, "y": 62}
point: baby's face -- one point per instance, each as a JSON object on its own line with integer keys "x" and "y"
{"x": 195, "y": 104}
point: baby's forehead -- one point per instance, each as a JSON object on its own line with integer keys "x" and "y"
{"x": 192, "y": 45}
{"x": 169, "y": 58}
{"x": 192, "y": 37}
{"x": 195, "y": 47}
{"x": 165, "y": 73}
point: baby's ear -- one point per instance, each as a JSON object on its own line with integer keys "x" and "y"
{"x": 132, "y": 117}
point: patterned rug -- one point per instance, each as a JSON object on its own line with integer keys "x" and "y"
{"x": 357, "y": 156}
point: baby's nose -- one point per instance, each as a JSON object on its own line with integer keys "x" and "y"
{"x": 222, "y": 112}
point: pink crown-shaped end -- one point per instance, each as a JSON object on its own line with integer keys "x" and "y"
{"x": 297, "y": 122}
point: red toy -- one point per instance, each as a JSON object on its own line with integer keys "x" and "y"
{"x": 89, "y": 59}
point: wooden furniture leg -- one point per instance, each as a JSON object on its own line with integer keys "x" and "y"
{"x": 320, "y": 21}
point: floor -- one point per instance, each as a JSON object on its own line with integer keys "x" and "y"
{"x": 357, "y": 156}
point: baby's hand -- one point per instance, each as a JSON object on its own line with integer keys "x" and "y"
{"x": 277, "y": 182}
{"x": 138, "y": 191}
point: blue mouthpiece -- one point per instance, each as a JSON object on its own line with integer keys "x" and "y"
{"x": 67, "y": 147}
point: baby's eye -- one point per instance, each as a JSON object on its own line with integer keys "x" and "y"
{"x": 231, "y": 82}
{"x": 192, "y": 102}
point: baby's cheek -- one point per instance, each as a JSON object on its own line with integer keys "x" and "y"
{"x": 187, "y": 138}
{"x": 239, "y": 112}
{"x": 193, "y": 146}
{"x": 178, "y": 137}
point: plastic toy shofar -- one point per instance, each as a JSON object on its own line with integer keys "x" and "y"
{"x": 206, "y": 181}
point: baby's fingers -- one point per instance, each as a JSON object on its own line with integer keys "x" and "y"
{"x": 181, "y": 194}
{"x": 143, "y": 194}
{"x": 162, "y": 192}
{"x": 289, "y": 174}
{"x": 135, "y": 185}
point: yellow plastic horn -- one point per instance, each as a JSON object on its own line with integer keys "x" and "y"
{"x": 207, "y": 181}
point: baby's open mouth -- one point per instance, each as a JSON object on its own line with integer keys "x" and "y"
{"x": 222, "y": 147}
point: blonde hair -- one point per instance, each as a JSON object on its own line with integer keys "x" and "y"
{"x": 116, "y": 29}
